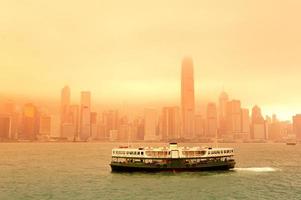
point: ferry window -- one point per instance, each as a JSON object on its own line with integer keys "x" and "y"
{"x": 142, "y": 153}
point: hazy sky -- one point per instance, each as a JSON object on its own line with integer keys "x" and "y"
{"x": 131, "y": 51}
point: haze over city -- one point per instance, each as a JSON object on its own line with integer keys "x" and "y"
{"x": 131, "y": 55}
{"x": 131, "y": 99}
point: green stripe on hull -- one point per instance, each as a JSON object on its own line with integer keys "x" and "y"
{"x": 174, "y": 165}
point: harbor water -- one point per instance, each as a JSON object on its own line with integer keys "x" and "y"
{"x": 81, "y": 171}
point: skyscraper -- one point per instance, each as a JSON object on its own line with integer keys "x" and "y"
{"x": 245, "y": 124}
{"x": 223, "y": 99}
{"x": 211, "y": 121}
{"x": 170, "y": 123}
{"x": 297, "y": 126}
{"x": 110, "y": 120}
{"x": 150, "y": 124}
{"x": 222, "y": 110}
{"x": 93, "y": 120}
{"x": 30, "y": 122}
{"x": 199, "y": 126}
{"x": 45, "y": 126}
{"x": 233, "y": 117}
{"x": 5, "y": 127}
{"x": 65, "y": 124}
{"x": 65, "y": 104}
{"x": 187, "y": 98}
{"x": 258, "y": 126}
{"x": 85, "y": 115}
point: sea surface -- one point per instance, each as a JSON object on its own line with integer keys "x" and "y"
{"x": 81, "y": 171}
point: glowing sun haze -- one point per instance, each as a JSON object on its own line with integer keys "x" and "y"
{"x": 132, "y": 50}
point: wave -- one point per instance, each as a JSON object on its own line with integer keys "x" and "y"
{"x": 257, "y": 169}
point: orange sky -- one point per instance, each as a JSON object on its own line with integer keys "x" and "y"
{"x": 131, "y": 50}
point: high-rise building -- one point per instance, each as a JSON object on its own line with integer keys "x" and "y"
{"x": 124, "y": 129}
{"x": 199, "y": 126}
{"x": 187, "y": 98}
{"x": 137, "y": 129}
{"x": 65, "y": 124}
{"x": 258, "y": 125}
{"x": 69, "y": 130}
{"x": 94, "y": 134}
{"x": 45, "y": 126}
{"x": 110, "y": 122}
{"x": 5, "y": 127}
{"x": 233, "y": 118}
{"x": 245, "y": 125}
{"x": 171, "y": 123}
{"x": 74, "y": 116}
{"x": 30, "y": 122}
{"x": 8, "y": 108}
{"x": 85, "y": 116}
{"x": 297, "y": 126}
{"x": 276, "y": 129}
{"x": 65, "y": 104}
{"x": 222, "y": 110}
{"x": 223, "y": 100}
{"x": 150, "y": 124}
{"x": 211, "y": 131}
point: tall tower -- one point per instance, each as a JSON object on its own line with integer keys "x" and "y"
{"x": 222, "y": 111}
{"x": 223, "y": 99}
{"x": 187, "y": 98}
{"x": 150, "y": 124}
{"x": 233, "y": 116}
{"x": 171, "y": 124}
{"x": 30, "y": 122}
{"x": 211, "y": 120}
{"x": 65, "y": 104}
{"x": 85, "y": 116}
{"x": 258, "y": 126}
{"x": 297, "y": 126}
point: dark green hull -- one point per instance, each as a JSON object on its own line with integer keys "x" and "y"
{"x": 174, "y": 165}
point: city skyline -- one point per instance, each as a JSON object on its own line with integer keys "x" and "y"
{"x": 225, "y": 119}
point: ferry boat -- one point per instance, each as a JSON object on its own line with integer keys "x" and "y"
{"x": 171, "y": 158}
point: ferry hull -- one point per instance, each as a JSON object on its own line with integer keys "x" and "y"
{"x": 132, "y": 167}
